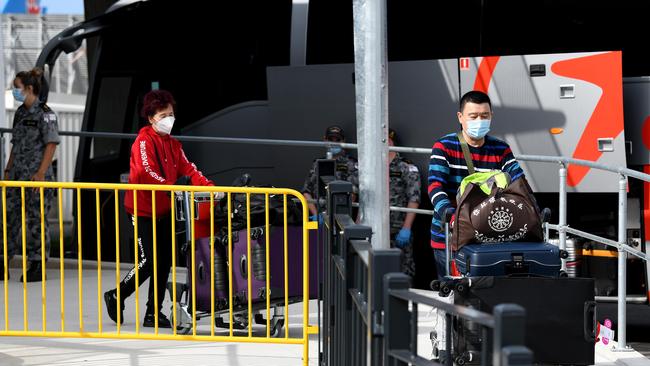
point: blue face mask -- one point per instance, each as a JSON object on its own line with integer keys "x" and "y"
{"x": 335, "y": 150}
{"x": 477, "y": 129}
{"x": 18, "y": 95}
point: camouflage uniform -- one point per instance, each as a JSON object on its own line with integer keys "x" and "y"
{"x": 347, "y": 168}
{"x": 404, "y": 188}
{"x": 33, "y": 129}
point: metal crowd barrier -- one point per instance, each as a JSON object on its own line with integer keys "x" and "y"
{"x": 370, "y": 314}
{"x": 12, "y": 298}
{"x": 621, "y": 244}
{"x": 401, "y": 327}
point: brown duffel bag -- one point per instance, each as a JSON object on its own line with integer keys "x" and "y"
{"x": 491, "y": 212}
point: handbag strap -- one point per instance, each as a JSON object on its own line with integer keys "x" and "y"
{"x": 466, "y": 154}
{"x": 162, "y": 168}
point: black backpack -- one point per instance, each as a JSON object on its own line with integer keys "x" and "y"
{"x": 239, "y": 208}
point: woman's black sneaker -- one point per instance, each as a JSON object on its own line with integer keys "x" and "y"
{"x": 150, "y": 321}
{"x": 110, "y": 298}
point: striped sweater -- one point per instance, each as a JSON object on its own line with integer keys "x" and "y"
{"x": 447, "y": 168}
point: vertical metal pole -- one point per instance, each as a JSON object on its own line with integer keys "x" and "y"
{"x": 299, "y": 19}
{"x": 563, "y": 208}
{"x": 646, "y": 249}
{"x": 447, "y": 251}
{"x": 622, "y": 262}
{"x": 371, "y": 81}
{"x": 2, "y": 150}
{"x": 3, "y": 111}
{"x": 448, "y": 337}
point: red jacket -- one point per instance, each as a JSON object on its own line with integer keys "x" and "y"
{"x": 148, "y": 152}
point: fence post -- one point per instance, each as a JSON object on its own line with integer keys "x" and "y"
{"x": 516, "y": 356}
{"x": 622, "y": 263}
{"x": 2, "y": 147}
{"x": 509, "y": 336}
{"x": 562, "y": 213}
{"x": 397, "y": 320}
{"x": 355, "y": 284}
{"x": 380, "y": 263}
{"x": 339, "y": 200}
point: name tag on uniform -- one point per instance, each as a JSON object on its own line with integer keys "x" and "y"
{"x": 30, "y": 123}
{"x": 396, "y": 174}
{"x": 342, "y": 167}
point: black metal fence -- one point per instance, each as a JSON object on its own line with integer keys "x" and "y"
{"x": 370, "y": 311}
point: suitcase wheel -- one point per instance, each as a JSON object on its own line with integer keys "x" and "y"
{"x": 461, "y": 288}
{"x": 435, "y": 285}
{"x": 238, "y": 322}
{"x": 564, "y": 274}
{"x": 465, "y": 358}
{"x": 445, "y": 288}
{"x": 277, "y": 325}
{"x": 183, "y": 330}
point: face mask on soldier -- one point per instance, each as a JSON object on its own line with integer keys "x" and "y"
{"x": 19, "y": 96}
{"x": 335, "y": 150}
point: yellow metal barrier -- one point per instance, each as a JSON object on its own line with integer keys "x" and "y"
{"x": 278, "y": 303}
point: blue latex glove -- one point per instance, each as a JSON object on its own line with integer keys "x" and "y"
{"x": 318, "y": 217}
{"x": 403, "y": 238}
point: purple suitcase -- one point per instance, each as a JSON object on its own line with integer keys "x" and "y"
{"x": 295, "y": 261}
{"x": 257, "y": 266}
{"x": 240, "y": 270}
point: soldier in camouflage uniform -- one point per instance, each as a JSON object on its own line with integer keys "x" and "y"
{"x": 404, "y": 191}
{"x": 34, "y": 139}
{"x": 347, "y": 168}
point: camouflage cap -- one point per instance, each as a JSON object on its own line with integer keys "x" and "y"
{"x": 334, "y": 132}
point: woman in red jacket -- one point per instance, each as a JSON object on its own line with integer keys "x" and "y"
{"x": 156, "y": 158}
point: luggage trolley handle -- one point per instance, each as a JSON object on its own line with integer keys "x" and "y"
{"x": 184, "y": 215}
{"x": 183, "y": 210}
{"x": 446, "y": 216}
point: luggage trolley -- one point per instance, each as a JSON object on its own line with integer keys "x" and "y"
{"x": 240, "y": 262}
{"x": 526, "y": 273}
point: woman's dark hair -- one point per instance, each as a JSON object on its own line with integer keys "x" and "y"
{"x": 476, "y": 97}
{"x": 156, "y": 100}
{"x": 33, "y": 78}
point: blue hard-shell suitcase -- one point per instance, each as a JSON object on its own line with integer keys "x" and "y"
{"x": 502, "y": 259}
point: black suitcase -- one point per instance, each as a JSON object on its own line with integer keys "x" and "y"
{"x": 560, "y": 316}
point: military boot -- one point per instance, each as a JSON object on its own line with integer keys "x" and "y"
{"x": 2, "y": 270}
{"x": 34, "y": 272}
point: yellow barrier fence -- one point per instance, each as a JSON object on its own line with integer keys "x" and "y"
{"x": 242, "y": 308}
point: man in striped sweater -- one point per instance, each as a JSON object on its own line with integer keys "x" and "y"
{"x": 447, "y": 166}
